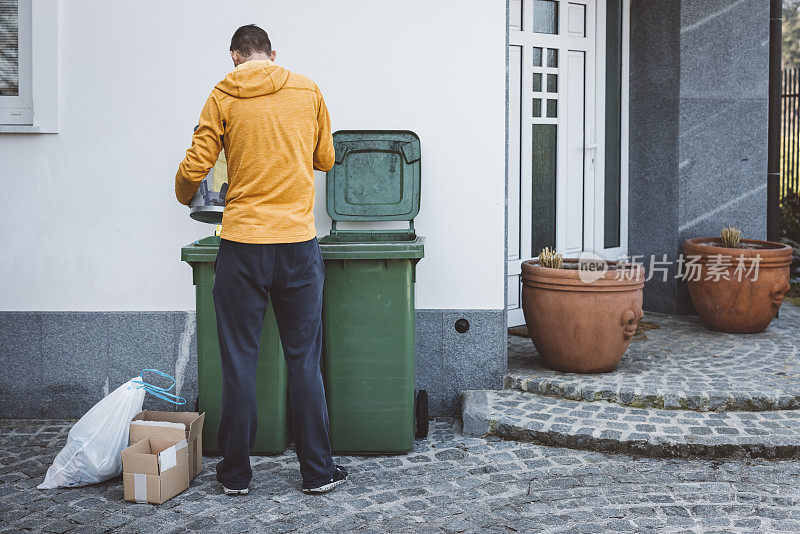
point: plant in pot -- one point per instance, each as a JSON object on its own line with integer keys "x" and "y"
{"x": 581, "y": 315}
{"x": 736, "y": 285}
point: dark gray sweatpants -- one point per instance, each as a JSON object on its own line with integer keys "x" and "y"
{"x": 246, "y": 276}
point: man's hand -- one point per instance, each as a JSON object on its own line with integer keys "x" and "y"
{"x": 203, "y": 154}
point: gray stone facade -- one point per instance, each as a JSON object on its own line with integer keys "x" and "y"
{"x": 698, "y": 128}
{"x": 64, "y": 362}
{"x": 449, "y": 362}
{"x": 59, "y": 364}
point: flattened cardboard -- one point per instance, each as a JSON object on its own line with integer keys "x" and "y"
{"x": 193, "y": 429}
{"x": 155, "y": 470}
{"x": 165, "y": 424}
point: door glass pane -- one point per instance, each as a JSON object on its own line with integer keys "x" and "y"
{"x": 544, "y": 187}
{"x": 515, "y": 15}
{"x": 537, "y": 82}
{"x": 552, "y": 57}
{"x": 537, "y": 107}
{"x": 545, "y": 16}
{"x": 552, "y": 108}
{"x": 9, "y": 48}
{"x": 537, "y": 56}
{"x": 552, "y": 83}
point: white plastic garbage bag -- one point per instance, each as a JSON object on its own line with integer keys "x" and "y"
{"x": 94, "y": 445}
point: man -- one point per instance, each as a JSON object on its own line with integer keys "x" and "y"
{"x": 275, "y": 129}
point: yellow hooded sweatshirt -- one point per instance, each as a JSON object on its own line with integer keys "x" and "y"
{"x": 275, "y": 129}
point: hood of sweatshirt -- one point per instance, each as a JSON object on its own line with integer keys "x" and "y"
{"x": 254, "y": 78}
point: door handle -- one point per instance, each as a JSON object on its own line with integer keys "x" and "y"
{"x": 593, "y": 147}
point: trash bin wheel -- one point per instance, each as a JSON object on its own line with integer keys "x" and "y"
{"x": 421, "y": 414}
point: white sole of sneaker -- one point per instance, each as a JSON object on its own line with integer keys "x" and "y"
{"x": 326, "y": 488}
{"x": 236, "y": 492}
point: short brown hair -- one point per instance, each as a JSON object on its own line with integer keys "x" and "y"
{"x": 249, "y": 39}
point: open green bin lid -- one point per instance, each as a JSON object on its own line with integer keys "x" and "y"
{"x": 376, "y": 177}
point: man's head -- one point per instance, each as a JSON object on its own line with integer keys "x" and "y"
{"x": 251, "y": 43}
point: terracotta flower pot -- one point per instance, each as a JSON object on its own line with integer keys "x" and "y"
{"x": 579, "y": 326}
{"x": 727, "y": 290}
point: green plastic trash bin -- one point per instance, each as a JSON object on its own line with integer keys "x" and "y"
{"x": 271, "y": 376}
{"x": 368, "y": 301}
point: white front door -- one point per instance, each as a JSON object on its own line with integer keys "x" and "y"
{"x": 556, "y": 132}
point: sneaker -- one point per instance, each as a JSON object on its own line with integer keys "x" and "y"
{"x": 339, "y": 478}
{"x": 229, "y": 491}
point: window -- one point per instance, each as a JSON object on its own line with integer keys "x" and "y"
{"x": 16, "y": 102}
{"x": 9, "y": 48}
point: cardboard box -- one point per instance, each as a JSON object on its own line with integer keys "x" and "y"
{"x": 147, "y": 424}
{"x": 154, "y": 470}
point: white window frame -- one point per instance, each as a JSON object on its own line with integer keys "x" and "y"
{"x": 35, "y": 110}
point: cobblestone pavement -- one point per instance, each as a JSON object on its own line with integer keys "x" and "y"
{"x": 603, "y": 426}
{"x": 681, "y": 365}
{"x": 449, "y": 483}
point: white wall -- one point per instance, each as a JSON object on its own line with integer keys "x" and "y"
{"x": 89, "y": 217}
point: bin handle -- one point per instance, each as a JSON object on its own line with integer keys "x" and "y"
{"x": 409, "y": 149}
{"x": 340, "y": 149}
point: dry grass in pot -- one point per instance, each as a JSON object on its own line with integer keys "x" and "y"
{"x": 550, "y": 258}
{"x": 731, "y": 237}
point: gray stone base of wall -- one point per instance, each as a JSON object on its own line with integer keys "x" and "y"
{"x": 59, "y": 364}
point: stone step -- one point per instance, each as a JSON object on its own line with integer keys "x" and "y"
{"x": 675, "y": 363}
{"x": 677, "y": 396}
{"x": 607, "y": 427}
